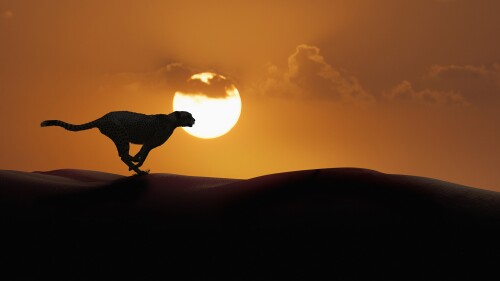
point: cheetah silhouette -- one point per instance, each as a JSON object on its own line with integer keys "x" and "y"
{"x": 125, "y": 127}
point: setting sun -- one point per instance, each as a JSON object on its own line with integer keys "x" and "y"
{"x": 215, "y": 116}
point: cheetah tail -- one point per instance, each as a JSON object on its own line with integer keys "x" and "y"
{"x": 67, "y": 126}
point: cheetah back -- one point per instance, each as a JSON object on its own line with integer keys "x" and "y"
{"x": 138, "y": 127}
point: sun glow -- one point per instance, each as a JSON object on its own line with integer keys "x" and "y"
{"x": 214, "y": 116}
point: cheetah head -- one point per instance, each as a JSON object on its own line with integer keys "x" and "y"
{"x": 184, "y": 119}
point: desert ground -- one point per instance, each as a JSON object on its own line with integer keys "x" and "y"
{"x": 324, "y": 224}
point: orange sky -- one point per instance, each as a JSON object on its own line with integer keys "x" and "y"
{"x": 409, "y": 87}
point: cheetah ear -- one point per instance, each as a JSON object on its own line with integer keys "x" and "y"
{"x": 177, "y": 115}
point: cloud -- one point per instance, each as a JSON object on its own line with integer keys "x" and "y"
{"x": 173, "y": 77}
{"x": 7, "y": 14}
{"x": 451, "y": 84}
{"x": 309, "y": 75}
{"x": 477, "y": 83}
{"x": 405, "y": 92}
{"x": 457, "y": 71}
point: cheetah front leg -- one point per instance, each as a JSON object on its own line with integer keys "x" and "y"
{"x": 131, "y": 166}
{"x": 140, "y": 157}
{"x": 127, "y": 159}
{"x": 123, "y": 151}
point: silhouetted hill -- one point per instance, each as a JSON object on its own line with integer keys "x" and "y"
{"x": 329, "y": 224}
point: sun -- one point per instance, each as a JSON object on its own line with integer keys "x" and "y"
{"x": 215, "y": 116}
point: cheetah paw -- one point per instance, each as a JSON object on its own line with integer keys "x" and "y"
{"x": 142, "y": 173}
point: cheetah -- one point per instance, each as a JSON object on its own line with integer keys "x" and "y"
{"x": 125, "y": 127}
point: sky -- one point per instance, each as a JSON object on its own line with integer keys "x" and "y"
{"x": 405, "y": 87}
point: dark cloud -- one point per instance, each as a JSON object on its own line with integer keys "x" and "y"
{"x": 405, "y": 92}
{"x": 478, "y": 83}
{"x": 217, "y": 87}
{"x": 174, "y": 77}
{"x": 452, "y": 84}
{"x": 309, "y": 75}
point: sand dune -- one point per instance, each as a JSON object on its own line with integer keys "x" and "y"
{"x": 343, "y": 223}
